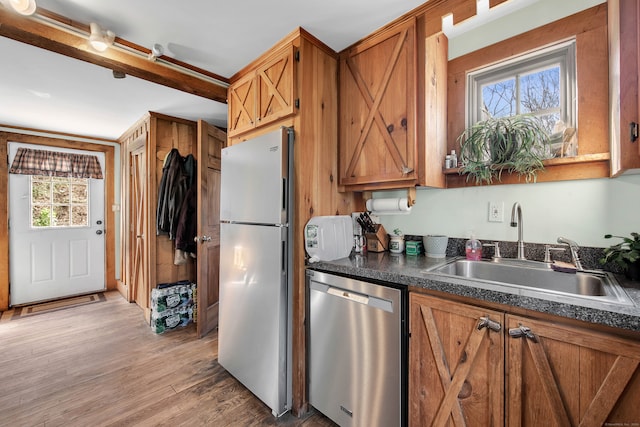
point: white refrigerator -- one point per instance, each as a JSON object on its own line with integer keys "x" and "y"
{"x": 254, "y": 331}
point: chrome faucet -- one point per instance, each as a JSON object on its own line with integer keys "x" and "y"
{"x": 573, "y": 247}
{"x": 517, "y": 211}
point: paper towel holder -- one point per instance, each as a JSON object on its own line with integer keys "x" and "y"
{"x": 411, "y": 196}
{"x": 388, "y": 206}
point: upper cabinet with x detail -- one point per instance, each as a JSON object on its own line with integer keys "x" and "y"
{"x": 378, "y": 147}
{"x": 264, "y": 94}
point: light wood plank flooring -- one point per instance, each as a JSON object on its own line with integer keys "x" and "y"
{"x": 101, "y": 365}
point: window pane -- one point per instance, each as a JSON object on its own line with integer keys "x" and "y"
{"x": 40, "y": 191}
{"x": 540, "y": 90}
{"x": 79, "y": 193}
{"x": 540, "y": 83}
{"x": 59, "y": 202}
{"x": 61, "y": 192}
{"x": 40, "y": 216}
{"x": 549, "y": 121}
{"x": 61, "y": 216}
{"x": 79, "y": 215}
{"x": 498, "y": 99}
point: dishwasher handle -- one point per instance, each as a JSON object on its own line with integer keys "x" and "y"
{"x": 350, "y": 295}
{"x": 357, "y": 297}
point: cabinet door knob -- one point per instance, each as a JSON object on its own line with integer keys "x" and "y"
{"x": 485, "y": 322}
{"x": 523, "y": 332}
{"x": 406, "y": 170}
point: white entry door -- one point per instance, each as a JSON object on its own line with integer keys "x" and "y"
{"x": 53, "y": 251}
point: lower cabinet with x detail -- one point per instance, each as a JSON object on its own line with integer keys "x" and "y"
{"x": 470, "y": 366}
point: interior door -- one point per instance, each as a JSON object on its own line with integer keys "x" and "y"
{"x": 54, "y": 252}
{"x": 211, "y": 140}
{"x": 135, "y": 271}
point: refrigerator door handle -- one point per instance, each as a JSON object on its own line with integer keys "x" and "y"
{"x": 284, "y": 194}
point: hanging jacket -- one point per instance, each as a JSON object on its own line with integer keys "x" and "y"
{"x": 188, "y": 222}
{"x": 183, "y": 182}
{"x": 171, "y": 167}
{"x": 178, "y": 175}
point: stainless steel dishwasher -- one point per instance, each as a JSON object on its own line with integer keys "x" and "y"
{"x": 356, "y": 350}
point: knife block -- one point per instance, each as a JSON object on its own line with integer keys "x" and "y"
{"x": 378, "y": 241}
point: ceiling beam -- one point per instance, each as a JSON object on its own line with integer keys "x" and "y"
{"x": 37, "y": 33}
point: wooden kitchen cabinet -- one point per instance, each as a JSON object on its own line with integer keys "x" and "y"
{"x": 551, "y": 374}
{"x": 377, "y": 108}
{"x": 242, "y": 104}
{"x": 264, "y": 94}
{"x": 561, "y": 376}
{"x": 456, "y": 356}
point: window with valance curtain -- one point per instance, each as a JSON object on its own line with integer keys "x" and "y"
{"x": 53, "y": 163}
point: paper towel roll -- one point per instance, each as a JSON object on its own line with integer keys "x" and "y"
{"x": 388, "y": 206}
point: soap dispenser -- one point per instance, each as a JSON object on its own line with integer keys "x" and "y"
{"x": 473, "y": 249}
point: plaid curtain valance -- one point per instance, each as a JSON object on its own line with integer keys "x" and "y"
{"x": 54, "y": 163}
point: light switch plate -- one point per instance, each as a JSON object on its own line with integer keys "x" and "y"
{"x": 496, "y": 211}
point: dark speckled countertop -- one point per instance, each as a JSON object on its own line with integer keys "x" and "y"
{"x": 411, "y": 271}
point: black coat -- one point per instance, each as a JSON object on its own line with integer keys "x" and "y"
{"x": 178, "y": 174}
{"x": 188, "y": 222}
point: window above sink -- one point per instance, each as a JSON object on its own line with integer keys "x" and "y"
{"x": 475, "y": 74}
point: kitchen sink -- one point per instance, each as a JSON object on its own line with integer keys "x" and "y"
{"x": 538, "y": 276}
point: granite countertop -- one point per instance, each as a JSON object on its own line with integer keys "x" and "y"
{"x": 411, "y": 271}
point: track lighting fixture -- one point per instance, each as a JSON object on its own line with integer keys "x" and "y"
{"x": 100, "y": 39}
{"x": 23, "y": 7}
{"x": 156, "y": 51}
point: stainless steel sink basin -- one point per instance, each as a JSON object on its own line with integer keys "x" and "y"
{"x": 538, "y": 276}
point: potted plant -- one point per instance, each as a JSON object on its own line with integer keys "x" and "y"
{"x": 625, "y": 254}
{"x": 517, "y": 144}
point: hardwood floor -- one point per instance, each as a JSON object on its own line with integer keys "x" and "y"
{"x": 101, "y": 365}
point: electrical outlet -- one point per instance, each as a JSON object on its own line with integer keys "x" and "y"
{"x": 496, "y": 211}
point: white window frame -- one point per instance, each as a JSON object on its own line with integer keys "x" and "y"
{"x": 562, "y": 54}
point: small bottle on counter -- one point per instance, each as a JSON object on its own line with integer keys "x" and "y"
{"x": 454, "y": 159}
{"x": 473, "y": 249}
{"x": 447, "y": 161}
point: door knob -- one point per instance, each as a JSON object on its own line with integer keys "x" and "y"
{"x": 98, "y": 232}
{"x": 202, "y": 239}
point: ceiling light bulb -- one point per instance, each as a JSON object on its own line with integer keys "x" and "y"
{"x": 23, "y": 7}
{"x": 156, "y": 51}
{"x": 100, "y": 39}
